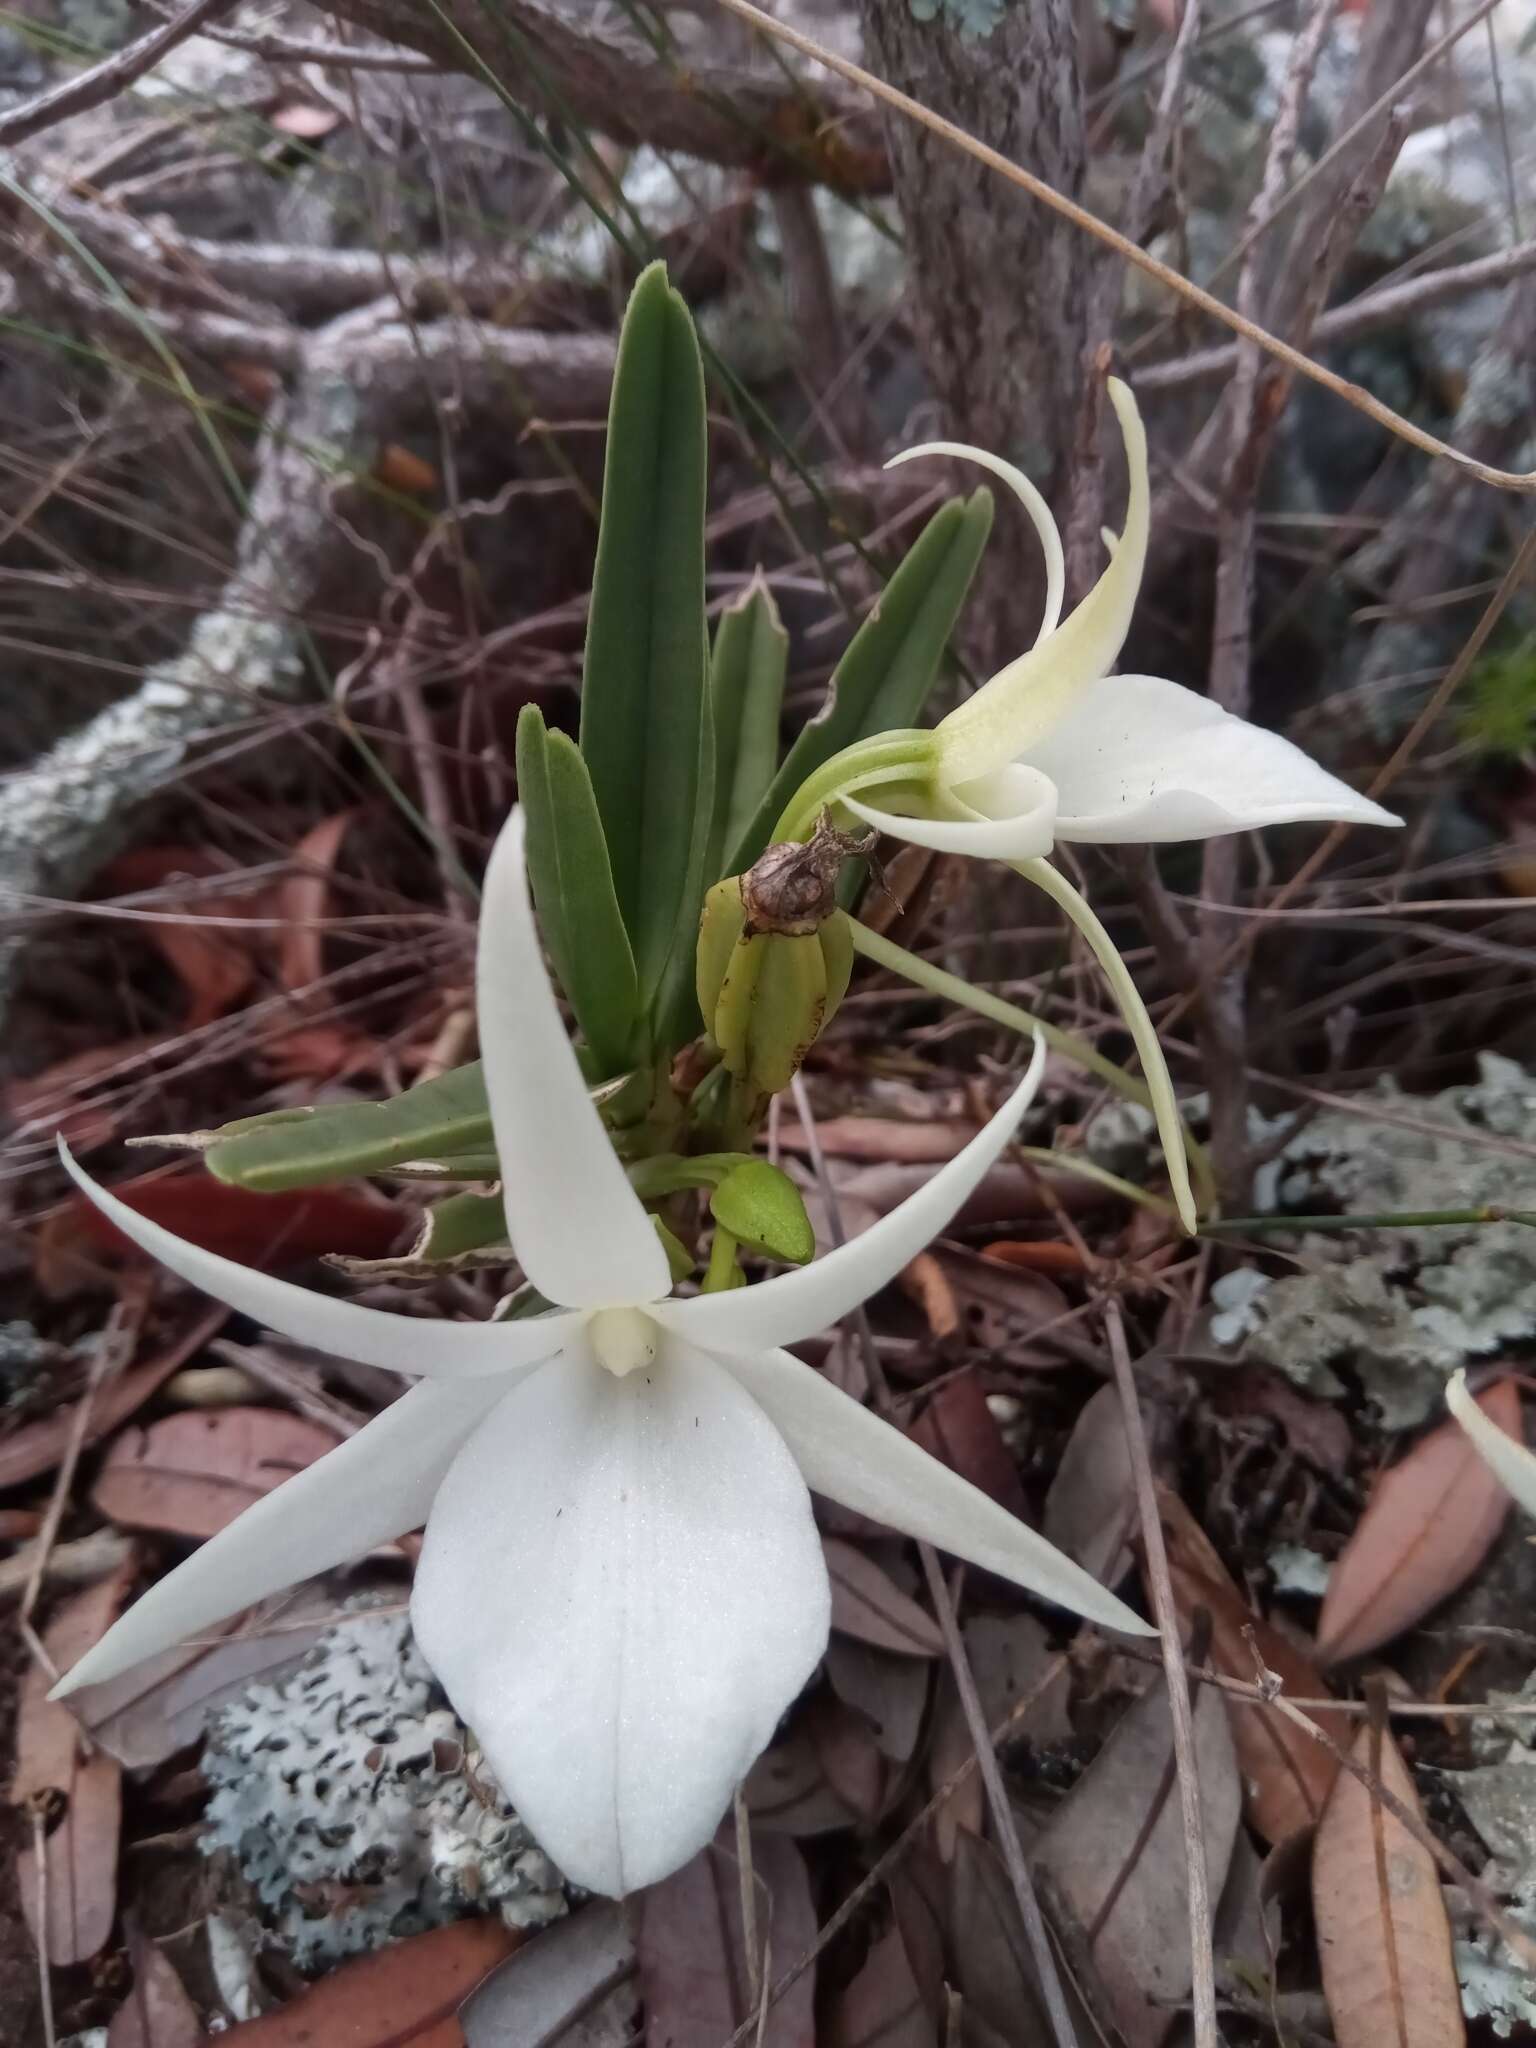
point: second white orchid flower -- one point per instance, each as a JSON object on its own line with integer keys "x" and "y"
{"x": 1057, "y": 747}
{"x": 621, "y": 1586}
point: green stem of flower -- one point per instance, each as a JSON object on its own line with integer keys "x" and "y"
{"x": 888, "y": 757}
{"x": 1400, "y": 1219}
{"x": 1143, "y": 1035}
{"x": 723, "y": 1271}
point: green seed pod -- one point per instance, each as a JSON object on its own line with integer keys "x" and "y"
{"x": 720, "y": 926}
{"x": 788, "y": 1003}
{"x": 837, "y": 954}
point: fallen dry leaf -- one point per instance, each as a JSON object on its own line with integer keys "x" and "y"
{"x": 44, "y": 1099}
{"x": 268, "y": 1231}
{"x": 694, "y": 1972}
{"x": 849, "y": 1755}
{"x": 400, "y": 469}
{"x": 959, "y": 1429}
{"x": 572, "y": 1987}
{"x": 868, "y": 1605}
{"x": 38, "y": 1446}
{"x": 1388, "y": 1971}
{"x": 949, "y": 1747}
{"x": 1121, "y": 1873}
{"x": 924, "y": 1280}
{"x": 1048, "y": 1255}
{"x": 890, "y": 1691}
{"x": 77, "y": 1869}
{"x": 881, "y": 1139}
{"x": 214, "y": 963}
{"x": 191, "y": 1474}
{"x": 993, "y": 1968}
{"x": 304, "y": 900}
{"x": 1429, "y": 1523}
{"x": 404, "y": 1996}
{"x": 163, "y": 1704}
{"x": 1287, "y": 1776}
{"x": 881, "y": 2008}
{"x": 1090, "y": 1510}
{"x": 787, "y": 1791}
{"x": 157, "y": 2012}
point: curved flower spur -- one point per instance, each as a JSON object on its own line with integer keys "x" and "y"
{"x": 621, "y": 1586}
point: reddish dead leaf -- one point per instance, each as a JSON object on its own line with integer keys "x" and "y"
{"x": 404, "y": 1996}
{"x": 214, "y": 964}
{"x": 38, "y": 1446}
{"x": 191, "y": 1474}
{"x": 925, "y": 1282}
{"x": 889, "y": 1692}
{"x": 17, "y": 1524}
{"x": 254, "y": 381}
{"x": 694, "y": 1972}
{"x": 1429, "y": 1523}
{"x": 574, "y": 1987}
{"x": 268, "y": 1231}
{"x": 77, "y": 1869}
{"x": 1319, "y": 1432}
{"x": 868, "y": 1605}
{"x": 882, "y": 2008}
{"x": 319, "y": 1052}
{"x": 401, "y": 470}
{"x": 1287, "y": 1776}
{"x": 1044, "y": 1256}
{"x": 304, "y": 900}
{"x": 959, "y": 1428}
{"x": 157, "y": 2012}
{"x": 1388, "y": 1971}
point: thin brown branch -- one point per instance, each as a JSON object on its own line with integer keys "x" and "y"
{"x": 1201, "y": 1951}
{"x": 104, "y": 81}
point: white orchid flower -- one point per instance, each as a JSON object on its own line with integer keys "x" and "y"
{"x": 1511, "y": 1463}
{"x": 1056, "y": 747}
{"x": 621, "y": 1586}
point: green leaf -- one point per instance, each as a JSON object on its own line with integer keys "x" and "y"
{"x": 573, "y": 887}
{"x": 883, "y": 680}
{"x": 763, "y": 1209}
{"x": 435, "y": 1119}
{"x": 461, "y": 1223}
{"x": 746, "y": 690}
{"x": 679, "y": 1259}
{"x": 644, "y": 710}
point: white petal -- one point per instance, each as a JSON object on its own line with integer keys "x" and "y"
{"x": 1030, "y": 498}
{"x": 856, "y": 1459}
{"x": 1510, "y": 1462}
{"x": 368, "y": 1490}
{"x": 799, "y": 1304}
{"x": 622, "y": 1590}
{"x": 1007, "y": 715}
{"x": 574, "y": 1219}
{"x": 1136, "y": 758}
{"x": 409, "y": 1344}
{"x": 1014, "y": 817}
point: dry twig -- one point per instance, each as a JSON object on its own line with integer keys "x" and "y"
{"x": 104, "y": 81}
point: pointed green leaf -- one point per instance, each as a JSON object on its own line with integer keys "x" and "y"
{"x": 573, "y": 889}
{"x": 435, "y": 1119}
{"x": 644, "y": 712}
{"x": 883, "y": 680}
{"x": 746, "y": 692}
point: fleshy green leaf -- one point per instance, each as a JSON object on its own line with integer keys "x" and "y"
{"x": 883, "y": 680}
{"x": 465, "y": 1222}
{"x": 573, "y": 887}
{"x": 436, "y": 1119}
{"x": 679, "y": 1259}
{"x": 644, "y": 709}
{"x": 763, "y": 1209}
{"x": 746, "y": 688}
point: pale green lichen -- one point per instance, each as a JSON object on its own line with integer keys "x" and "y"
{"x": 341, "y": 1791}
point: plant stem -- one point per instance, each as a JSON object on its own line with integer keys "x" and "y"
{"x": 1401, "y": 1219}
{"x": 1165, "y": 1106}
